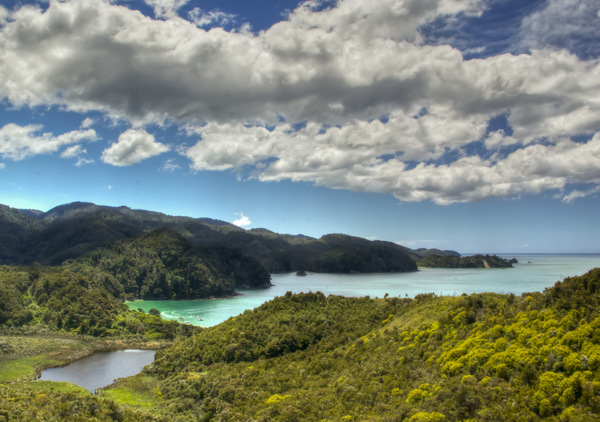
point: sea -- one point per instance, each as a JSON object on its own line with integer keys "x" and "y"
{"x": 533, "y": 273}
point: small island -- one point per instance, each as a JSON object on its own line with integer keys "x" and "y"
{"x": 473, "y": 261}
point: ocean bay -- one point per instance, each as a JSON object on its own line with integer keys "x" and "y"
{"x": 534, "y": 272}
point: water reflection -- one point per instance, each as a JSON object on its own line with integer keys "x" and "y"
{"x": 102, "y": 368}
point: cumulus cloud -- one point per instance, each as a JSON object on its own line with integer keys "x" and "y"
{"x": 19, "y": 142}
{"x": 241, "y": 220}
{"x": 103, "y": 57}
{"x": 133, "y": 146}
{"x": 570, "y": 24}
{"x": 3, "y": 15}
{"x": 87, "y": 122}
{"x": 346, "y": 158}
{"x": 348, "y": 97}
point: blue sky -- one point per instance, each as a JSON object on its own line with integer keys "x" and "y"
{"x": 471, "y": 125}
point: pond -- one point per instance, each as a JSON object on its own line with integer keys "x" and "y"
{"x": 101, "y": 369}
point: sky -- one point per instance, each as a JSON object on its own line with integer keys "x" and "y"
{"x": 471, "y": 125}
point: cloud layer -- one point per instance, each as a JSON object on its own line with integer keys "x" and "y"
{"x": 348, "y": 97}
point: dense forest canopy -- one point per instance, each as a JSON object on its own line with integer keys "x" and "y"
{"x": 164, "y": 265}
{"x": 483, "y": 357}
{"x": 72, "y": 230}
{"x": 473, "y": 261}
{"x": 57, "y": 299}
{"x": 309, "y": 356}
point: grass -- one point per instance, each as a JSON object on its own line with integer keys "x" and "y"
{"x": 24, "y": 356}
{"x": 51, "y": 386}
{"x": 139, "y": 391}
{"x": 21, "y": 369}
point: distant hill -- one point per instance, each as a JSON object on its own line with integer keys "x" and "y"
{"x": 474, "y": 261}
{"x": 164, "y": 265}
{"x": 73, "y": 230}
{"x": 422, "y": 252}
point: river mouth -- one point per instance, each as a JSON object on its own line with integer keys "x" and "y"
{"x": 101, "y": 369}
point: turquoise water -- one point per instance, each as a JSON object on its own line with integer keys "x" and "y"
{"x": 532, "y": 273}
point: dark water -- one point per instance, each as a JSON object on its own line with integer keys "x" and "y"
{"x": 101, "y": 369}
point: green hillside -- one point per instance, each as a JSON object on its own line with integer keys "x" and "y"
{"x": 57, "y": 300}
{"x": 473, "y": 261}
{"x": 306, "y": 357}
{"x": 309, "y": 357}
{"x": 164, "y": 265}
{"x": 72, "y": 230}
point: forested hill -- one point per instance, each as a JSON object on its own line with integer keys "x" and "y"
{"x": 72, "y": 230}
{"x": 164, "y": 265}
{"x": 484, "y": 357}
{"x": 473, "y": 261}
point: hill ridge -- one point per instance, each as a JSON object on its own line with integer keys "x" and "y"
{"x": 74, "y": 229}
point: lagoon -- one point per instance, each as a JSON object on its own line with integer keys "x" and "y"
{"x": 101, "y": 369}
{"x": 532, "y": 273}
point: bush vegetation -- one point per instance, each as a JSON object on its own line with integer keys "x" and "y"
{"x": 63, "y": 301}
{"x": 473, "y": 261}
{"x": 163, "y": 265}
{"x": 481, "y": 357}
{"x": 306, "y": 357}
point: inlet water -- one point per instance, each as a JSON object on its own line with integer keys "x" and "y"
{"x": 101, "y": 369}
{"x": 532, "y": 273}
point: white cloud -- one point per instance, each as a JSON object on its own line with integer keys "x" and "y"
{"x": 339, "y": 70}
{"x": 76, "y": 151}
{"x": 576, "y": 194}
{"x": 133, "y": 146}
{"x": 571, "y": 24}
{"x": 241, "y": 220}
{"x": 170, "y": 167}
{"x": 3, "y": 15}
{"x": 103, "y": 57}
{"x": 87, "y": 122}
{"x": 498, "y": 139}
{"x": 342, "y": 158}
{"x": 73, "y": 151}
{"x": 2, "y": 166}
{"x": 203, "y": 18}
{"x": 19, "y": 142}
{"x": 420, "y": 243}
{"x": 166, "y": 8}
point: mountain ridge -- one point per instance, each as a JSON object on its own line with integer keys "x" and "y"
{"x": 72, "y": 230}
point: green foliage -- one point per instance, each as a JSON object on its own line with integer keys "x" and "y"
{"x": 163, "y": 265}
{"x": 481, "y": 357}
{"x": 138, "y": 392}
{"x": 13, "y": 285}
{"x": 40, "y": 402}
{"x": 279, "y": 327}
{"x": 72, "y": 230}
{"x": 64, "y": 301}
{"x": 474, "y": 261}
